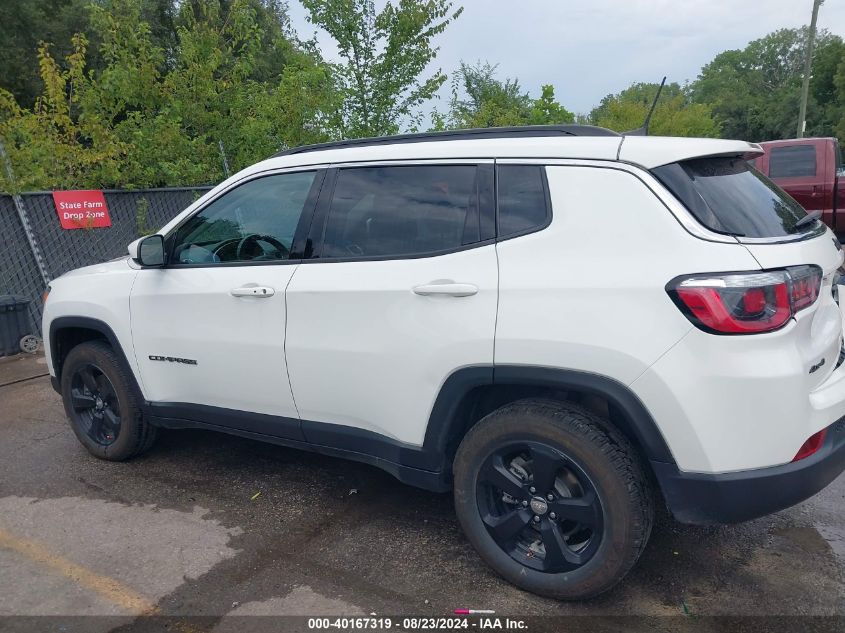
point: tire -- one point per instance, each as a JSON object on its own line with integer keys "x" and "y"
{"x": 29, "y": 344}
{"x": 97, "y": 391}
{"x": 597, "y": 485}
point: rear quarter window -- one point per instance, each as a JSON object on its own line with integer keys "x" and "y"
{"x": 727, "y": 195}
{"x": 792, "y": 161}
{"x": 522, "y": 199}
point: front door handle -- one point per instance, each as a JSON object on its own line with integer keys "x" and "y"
{"x": 259, "y": 292}
{"x": 446, "y": 288}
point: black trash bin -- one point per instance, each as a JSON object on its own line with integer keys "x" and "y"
{"x": 16, "y": 332}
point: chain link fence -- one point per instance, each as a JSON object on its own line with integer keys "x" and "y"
{"x": 133, "y": 214}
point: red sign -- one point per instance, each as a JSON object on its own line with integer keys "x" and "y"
{"x": 81, "y": 209}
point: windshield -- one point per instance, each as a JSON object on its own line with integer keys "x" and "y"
{"x": 727, "y": 195}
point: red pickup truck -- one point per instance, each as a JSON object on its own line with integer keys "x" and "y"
{"x": 808, "y": 169}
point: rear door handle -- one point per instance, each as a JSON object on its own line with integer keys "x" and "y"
{"x": 448, "y": 288}
{"x": 259, "y": 292}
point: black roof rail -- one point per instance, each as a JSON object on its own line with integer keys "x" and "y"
{"x": 459, "y": 135}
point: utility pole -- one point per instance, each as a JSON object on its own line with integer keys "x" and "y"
{"x": 808, "y": 62}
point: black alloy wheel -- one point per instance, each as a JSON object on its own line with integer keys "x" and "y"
{"x": 95, "y": 404}
{"x": 540, "y": 507}
{"x": 103, "y": 402}
{"x": 552, "y": 497}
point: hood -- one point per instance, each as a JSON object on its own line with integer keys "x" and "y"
{"x": 118, "y": 264}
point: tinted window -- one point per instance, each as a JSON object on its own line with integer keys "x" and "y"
{"x": 253, "y": 222}
{"x": 729, "y": 196}
{"x": 395, "y": 211}
{"x": 792, "y": 161}
{"x": 522, "y": 199}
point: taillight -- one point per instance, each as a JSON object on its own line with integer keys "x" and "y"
{"x": 805, "y": 282}
{"x": 812, "y": 445}
{"x": 746, "y": 303}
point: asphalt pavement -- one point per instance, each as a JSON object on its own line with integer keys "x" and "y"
{"x": 207, "y": 531}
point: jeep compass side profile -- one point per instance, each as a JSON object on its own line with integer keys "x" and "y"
{"x": 560, "y": 324}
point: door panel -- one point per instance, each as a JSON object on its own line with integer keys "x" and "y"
{"x": 365, "y": 350}
{"x": 209, "y": 329}
{"x": 402, "y": 293}
{"x": 237, "y": 342}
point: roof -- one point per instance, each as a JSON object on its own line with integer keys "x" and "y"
{"x": 522, "y": 131}
{"x": 554, "y": 142}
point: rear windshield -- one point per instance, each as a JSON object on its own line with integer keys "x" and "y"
{"x": 727, "y": 195}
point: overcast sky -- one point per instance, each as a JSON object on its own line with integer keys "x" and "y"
{"x": 590, "y": 48}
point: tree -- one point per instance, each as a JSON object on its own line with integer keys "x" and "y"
{"x": 829, "y": 100}
{"x": 24, "y": 24}
{"x": 754, "y": 92}
{"x": 547, "y": 111}
{"x": 385, "y": 54}
{"x": 154, "y": 116}
{"x": 839, "y": 111}
{"x": 674, "y": 115}
{"x": 480, "y": 100}
{"x": 58, "y": 149}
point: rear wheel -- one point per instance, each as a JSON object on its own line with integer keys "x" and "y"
{"x": 101, "y": 404}
{"x": 552, "y": 499}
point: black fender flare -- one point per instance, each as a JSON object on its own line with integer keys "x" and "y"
{"x": 446, "y": 422}
{"x": 88, "y": 323}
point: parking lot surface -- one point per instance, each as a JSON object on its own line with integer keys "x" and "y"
{"x": 207, "y": 525}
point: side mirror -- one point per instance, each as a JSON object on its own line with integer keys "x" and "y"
{"x": 148, "y": 251}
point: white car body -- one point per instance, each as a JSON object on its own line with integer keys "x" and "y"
{"x": 351, "y": 349}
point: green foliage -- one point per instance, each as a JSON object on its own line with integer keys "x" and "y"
{"x": 839, "y": 108}
{"x": 153, "y": 116}
{"x": 385, "y": 54}
{"x": 755, "y": 92}
{"x": 547, "y": 111}
{"x": 48, "y": 146}
{"x": 24, "y": 24}
{"x": 142, "y": 93}
{"x": 480, "y": 100}
{"x": 142, "y": 209}
{"x": 674, "y": 115}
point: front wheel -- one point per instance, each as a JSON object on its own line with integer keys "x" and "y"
{"x": 101, "y": 403}
{"x": 552, "y": 498}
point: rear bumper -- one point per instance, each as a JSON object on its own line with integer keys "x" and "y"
{"x": 703, "y": 498}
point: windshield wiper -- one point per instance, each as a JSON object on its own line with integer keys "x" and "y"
{"x": 811, "y": 217}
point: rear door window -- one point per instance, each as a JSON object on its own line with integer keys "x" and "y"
{"x": 792, "y": 161}
{"x": 727, "y": 195}
{"x": 402, "y": 211}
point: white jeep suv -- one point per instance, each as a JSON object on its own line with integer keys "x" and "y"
{"x": 559, "y": 324}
